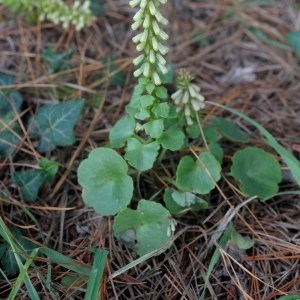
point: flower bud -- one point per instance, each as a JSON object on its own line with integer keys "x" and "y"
{"x": 134, "y": 3}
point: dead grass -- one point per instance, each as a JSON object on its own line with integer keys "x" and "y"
{"x": 236, "y": 68}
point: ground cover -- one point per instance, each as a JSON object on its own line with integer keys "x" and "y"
{"x": 241, "y": 57}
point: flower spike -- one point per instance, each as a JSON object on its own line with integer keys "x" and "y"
{"x": 151, "y": 64}
{"x": 187, "y": 98}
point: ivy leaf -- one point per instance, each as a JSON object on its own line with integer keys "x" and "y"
{"x": 229, "y": 130}
{"x": 29, "y": 183}
{"x": 4, "y": 194}
{"x": 3, "y": 248}
{"x": 154, "y": 128}
{"x": 7, "y": 256}
{"x": 122, "y": 130}
{"x": 145, "y": 229}
{"x": 6, "y": 79}
{"x": 172, "y": 139}
{"x": 9, "y": 141}
{"x": 192, "y": 176}
{"x": 10, "y": 106}
{"x": 139, "y": 155}
{"x": 9, "y": 262}
{"x": 26, "y": 244}
{"x": 258, "y": 172}
{"x": 10, "y": 102}
{"x": 106, "y": 185}
{"x": 53, "y": 124}
{"x": 57, "y": 61}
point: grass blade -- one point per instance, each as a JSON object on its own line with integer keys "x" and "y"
{"x": 22, "y": 275}
{"x": 65, "y": 261}
{"x": 139, "y": 260}
{"x": 4, "y": 232}
{"x": 216, "y": 256}
{"x": 93, "y": 287}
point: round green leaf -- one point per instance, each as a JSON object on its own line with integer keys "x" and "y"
{"x": 106, "y": 185}
{"x": 161, "y": 92}
{"x": 172, "y": 139}
{"x": 161, "y": 110}
{"x": 123, "y": 129}
{"x": 171, "y": 205}
{"x": 192, "y": 176}
{"x": 177, "y": 204}
{"x": 229, "y": 130}
{"x": 146, "y": 100}
{"x": 187, "y": 199}
{"x": 258, "y": 171}
{"x": 146, "y": 229}
{"x": 142, "y": 114}
{"x": 184, "y": 199}
{"x": 211, "y": 135}
{"x": 154, "y": 128}
{"x": 139, "y": 155}
{"x": 150, "y": 86}
{"x": 193, "y": 131}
